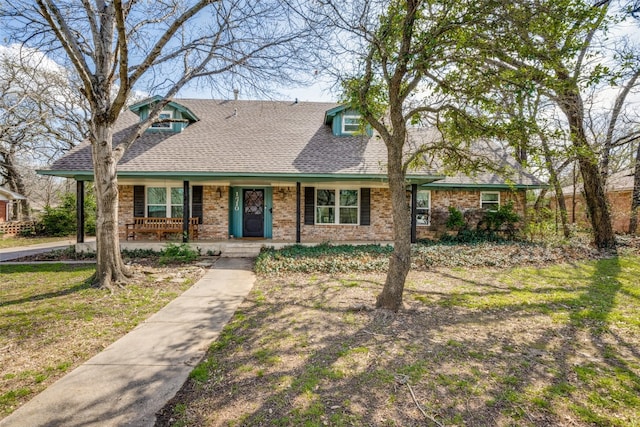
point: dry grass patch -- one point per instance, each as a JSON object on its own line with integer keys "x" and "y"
{"x": 52, "y": 320}
{"x": 556, "y": 345}
{"x": 16, "y": 241}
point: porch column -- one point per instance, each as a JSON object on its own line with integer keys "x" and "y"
{"x": 186, "y": 214}
{"x": 414, "y": 206}
{"x": 80, "y": 211}
{"x": 298, "y": 212}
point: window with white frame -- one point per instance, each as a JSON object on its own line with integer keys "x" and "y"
{"x": 423, "y": 207}
{"x": 164, "y": 115}
{"x": 165, "y": 202}
{"x": 336, "y": 206}
{"x": 350, "y": 123}
{"x": 490, "y": 200}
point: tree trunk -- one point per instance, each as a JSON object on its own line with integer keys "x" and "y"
{"x": 594, "y": 192}
{"x": 400, "y": 262}
{"x": 635, "y": 199}
{"x": 539, "y": 203}
{"x": 16, "y": 184}
{"x": 110, "y": 269}
{"x": 596, "y": 204}
{"x": 553, "y": 177}
{"x": 562, "y": 207}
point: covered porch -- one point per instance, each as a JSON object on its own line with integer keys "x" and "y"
{"x": 232, "y": 248}
{"x": 232, "y": 213}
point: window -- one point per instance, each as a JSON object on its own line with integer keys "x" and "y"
{"x": 162, "y": 200}
{"x": 350, "y": 124}
{"x": 325, "y": 207}
{"x": 423, "y": 207}
{"x": 164, "y": 115}
{"x": 490, "y": 200}
{"x": 342, "y": 209}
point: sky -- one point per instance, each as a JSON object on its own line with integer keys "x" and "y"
{"x": 319, "y": 90}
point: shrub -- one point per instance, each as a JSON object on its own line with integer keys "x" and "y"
{"x": 455, "y": 221}
{"x": 323, "y": 258}
{"x": 181, "y": 253}
{"x": 494, "y": 226}
{"x": 61, "y": 220}
{"x": 27, "y": 232}
{"x": 502, "y": 219}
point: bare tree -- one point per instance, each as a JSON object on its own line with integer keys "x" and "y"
{"x": 41, "y": 115}
{"x": 115, "y": 46}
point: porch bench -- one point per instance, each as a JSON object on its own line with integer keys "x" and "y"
{"x": 160, "y": 226}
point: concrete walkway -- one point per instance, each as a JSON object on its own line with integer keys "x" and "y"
{"x": 8, "y": 254}
{"x": 133, "y": 378}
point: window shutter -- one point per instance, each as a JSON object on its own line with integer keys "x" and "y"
{"x": 309, "y": 205}
{"x": 365, "y": 206}
{"x": 196, "y": 202}
{"x": 138, "y": 201}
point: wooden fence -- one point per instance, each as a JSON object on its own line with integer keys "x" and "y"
{"x": 13, "y": 228}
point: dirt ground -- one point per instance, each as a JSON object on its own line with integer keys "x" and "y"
{"x": 475, "y": 347}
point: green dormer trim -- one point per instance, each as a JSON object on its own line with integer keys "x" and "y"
{"x": 176, "y": 116}
{"x": 345, "y": 121}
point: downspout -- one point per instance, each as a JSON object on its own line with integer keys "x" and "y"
{"x": 79, "y": 211}
{"x": 298, "y": 212}
{"x": 186, "y": 214}
{"x": 414, "y": 208}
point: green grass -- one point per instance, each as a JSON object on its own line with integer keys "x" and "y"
{"x": 518, "y": 346}
{"x": 13, "y": 242}
{"x": 52, "y": 319}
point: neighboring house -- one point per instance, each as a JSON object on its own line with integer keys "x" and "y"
{"x": 287, "y": 171}
{"x": 619, "y": 195}
{"x": 7, "y": 203}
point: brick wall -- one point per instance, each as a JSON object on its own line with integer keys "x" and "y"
{"x": 3, "y": 210}
{"x": 284, "y": 213}
{"x": 468, "y": 202}
{"x": 125, "y": 212}
{"x": 215, "y": 221}
{"x": 619, "y": 208}
{"x": 380, "y": 228}
{"x": 620, "y": 204}
{"x": 215, "y": 224}
{"x": 216, "y": 214}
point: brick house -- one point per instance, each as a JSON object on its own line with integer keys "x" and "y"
{"x": 8, "y": 200}
{"x": 619, "y": 195}
{"x": 285, "y": 171}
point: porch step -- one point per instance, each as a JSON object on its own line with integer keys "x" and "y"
{"x": 241, "y": 251}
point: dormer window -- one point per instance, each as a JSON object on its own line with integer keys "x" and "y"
{"x": 164, "y": 115}
{"x": 350, "y": 124}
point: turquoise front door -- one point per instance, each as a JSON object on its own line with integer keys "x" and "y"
{"x": 253, "y": 213}
{"x": 250, "y": 212}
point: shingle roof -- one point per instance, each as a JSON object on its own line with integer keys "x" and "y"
{"x": 6, "y": 194}
{"x": 619, "y": 181}
{"x": 236, "y": 137}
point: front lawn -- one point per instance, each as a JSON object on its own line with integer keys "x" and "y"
{"x": 15, "y": 241}
{"x": 536, "y": 345}
{"x": 52, "y": 320}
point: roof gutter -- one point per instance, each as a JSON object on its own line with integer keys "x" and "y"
{"x": 293, "y": 177}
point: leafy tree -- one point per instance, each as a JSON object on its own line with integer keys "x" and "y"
{"x": 548, "y": 51}
{"x": 115, "y": 46}
{"x": 400, "y": 46}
